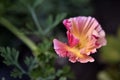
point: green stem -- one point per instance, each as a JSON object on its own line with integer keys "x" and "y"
{"x": 20, "y": 68}
{"x": 20, "y": 35}
{"x": 35, "y": 19}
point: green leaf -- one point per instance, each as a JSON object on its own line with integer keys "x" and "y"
{"x": 31, "y": 63}
{"x": 50, "y": 20}
{"x": 37, "y": 3}
{"x": 10, "y": 55}
{"x": 59, "y": 72}
{"x": 16, "y": 73}
{"x": 58, "y": 18}
{"x": 63, "y": 78}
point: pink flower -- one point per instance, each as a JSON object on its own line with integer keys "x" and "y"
{"x": 85, "y": 35}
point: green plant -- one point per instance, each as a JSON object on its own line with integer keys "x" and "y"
{"x": 40, "y": 66}
{"x": 26, "y": 18}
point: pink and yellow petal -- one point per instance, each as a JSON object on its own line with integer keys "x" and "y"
{"x": 60, "y": 48}
{"x": 86, "y": 59}
{"x": 72, "y": 40}
{"x": 83, "y": 58}
{"x": 67, "y": 23}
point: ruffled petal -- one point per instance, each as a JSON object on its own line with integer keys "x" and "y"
{"x": 83, "y": 59}
{"x": 67, "y": 23}
{"x": 60, "y": 48}
{"x": 101, "y": 42}
{"x": 72, "y": 40}
{"x": 100, "y": 34}
{"x": 75, "y": 25}
{"x": 86, "y": 59}
{"x": 73, "y": 59}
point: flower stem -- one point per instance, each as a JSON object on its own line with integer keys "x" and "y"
{"x": 20, "y": 35}
{"x": 35, "y": 19}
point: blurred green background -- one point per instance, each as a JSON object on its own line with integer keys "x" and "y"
{"x": 27, "y": 28}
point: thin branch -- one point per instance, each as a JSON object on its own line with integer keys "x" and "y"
{"x": 35, "y": 19}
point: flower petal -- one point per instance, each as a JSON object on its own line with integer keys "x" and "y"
{"x": 72, "y": 40}
{"x": 83, "y": 59}
{"x": 86, "y": 59}
{"x": 100, "y": 34}
{"x": 67, "y": 23}
{"x": 60, "y": 48}
{"x": 72, "y": 59}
